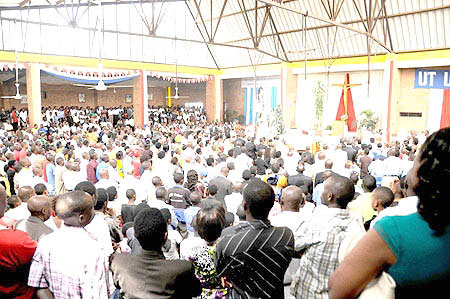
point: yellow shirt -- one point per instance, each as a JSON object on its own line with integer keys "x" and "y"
{"x": 363, "y": 205}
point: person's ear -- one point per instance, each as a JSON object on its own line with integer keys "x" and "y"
{"x": 166, "y": 235}
{"x": 244, "y": 205}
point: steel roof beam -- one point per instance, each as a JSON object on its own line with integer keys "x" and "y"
{"x": 298, "y": 11}
{"x": 352, "y": 22}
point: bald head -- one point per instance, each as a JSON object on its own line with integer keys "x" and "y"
{"x": 195, "y": 198}
{"x": 237, "y": 187}
{"x": 40, "y": 206}
{"x": 292, "y": 199}
{"x": 338, "y": 192}
{"x": 75, "y": 208}
{"x": 156, "y": 181}
{"x": 328, "y": 164}
{"x": 161, "y": 193}
{"x": 224, "y": 171}
{"x": 25, "y": 193}
{"x": 104, "y": 174}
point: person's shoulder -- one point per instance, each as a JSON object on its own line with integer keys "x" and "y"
{"x": 179, "y": 266}
{"x": 123, "y": 260}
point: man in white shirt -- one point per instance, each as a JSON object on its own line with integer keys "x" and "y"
{"x": 234, "y": 200}
{"x": 105, "y": 181}
{"x": 25, "y": 175}
{"x": 292, "y": 213}
{"x": 21, "y": 212}
{"x": 71, "y": 177}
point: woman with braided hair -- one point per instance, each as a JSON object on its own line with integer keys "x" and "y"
{"x": 192, "y": 183}
{"x": 413, "y": 249}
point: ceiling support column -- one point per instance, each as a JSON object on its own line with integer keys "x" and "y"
{"x": 34, "y": 94}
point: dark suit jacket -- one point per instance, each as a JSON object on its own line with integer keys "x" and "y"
{"x": 34, "y": 226}
{"x": 301, "y": 180}
{"x": 224, "y": 188}
{"x": 149, "y": 275}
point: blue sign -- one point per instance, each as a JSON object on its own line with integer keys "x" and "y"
{"x": 439, "y": 79}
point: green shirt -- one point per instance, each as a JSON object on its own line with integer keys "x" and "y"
{"x": 423, "y": 259}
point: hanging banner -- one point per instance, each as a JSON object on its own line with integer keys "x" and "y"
{"x": 425, "y": 78}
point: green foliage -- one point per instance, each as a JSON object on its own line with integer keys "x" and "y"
{"x": 368, "y": 120}
{"x": 319, "y": 94}
{"x": 278, "y": 121}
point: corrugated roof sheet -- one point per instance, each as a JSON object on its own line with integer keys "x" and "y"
{"x": 413, "y": 25}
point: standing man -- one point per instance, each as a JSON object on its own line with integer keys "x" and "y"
{"x": 40, "y": 208}
{"x": 71, "y": 247}
{"x": 318, "y": 240}
{"x": 16, "y": 251}
{"x": 50, "y": 173}
{"x": 149, "y": 274}
{"x": 300, "y": 179}
{"x": 224, "y": 186}
{"x": 91, "y": 167}
{"x": 254, "y": 256}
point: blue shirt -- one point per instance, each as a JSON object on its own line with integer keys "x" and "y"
{"x": 189, "y": 215}
{"x": 50, "y": 170}
{"x": 317, "y": 194}
{"x": 100, "y": 166}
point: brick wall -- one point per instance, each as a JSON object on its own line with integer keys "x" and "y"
{"x": 233, "y": 98}
{"x": 64, "y": 95}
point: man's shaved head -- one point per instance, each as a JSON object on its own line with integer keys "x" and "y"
{"x": 195, "y": 198}
{"x": 292, "y": 199}
{"x": 237, "y": 187}
{"x": 75, "y": 208}
{"x": 156, "y": 181}
{"x": 40, "y": 206}
{"x": 25, "y": 193}
{"x": 338, "y": 192}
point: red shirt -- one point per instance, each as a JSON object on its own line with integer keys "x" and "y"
{"x": 14, "y": 117}
{"x": 16, "y": 155}
{"x": 137, "y": 168}
{"x": 16, "y": 252}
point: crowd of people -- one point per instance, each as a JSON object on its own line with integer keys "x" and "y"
{"x": 93, "y": 207}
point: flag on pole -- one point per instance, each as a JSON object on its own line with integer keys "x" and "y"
{"x": 346, "y": 110}
{"x": 169, "y": 97}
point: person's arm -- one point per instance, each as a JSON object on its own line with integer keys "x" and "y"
{"x": 370, "y": 255}
{"x": 44, "y": 294}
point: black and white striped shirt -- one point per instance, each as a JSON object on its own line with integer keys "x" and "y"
{"x": 254, "y": 257}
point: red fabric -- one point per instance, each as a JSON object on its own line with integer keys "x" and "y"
{"x": 44, "y": 170}
{"x": 16, "y": 155}
{"x": 445, "y": 115}
{"x": 16, "y": 252}
{"x": 351, "y": 121}
{"x": 8, "y": 222}
{"x": 137, "y": 169}
{"x": 23, "y": 154}
{"x": 14, "y": 117}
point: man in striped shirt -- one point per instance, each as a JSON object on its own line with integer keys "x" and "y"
{"x": 254, "y": 256}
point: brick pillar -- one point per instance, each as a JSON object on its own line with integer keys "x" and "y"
{"x": 2, "y": 101}
{"x": 34, "y": 93}
{"x": 140, "y": 100}
{"x": 288, "y": 96}
{"x": 391, "y": 95}
{"x": 214, "y": 99}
